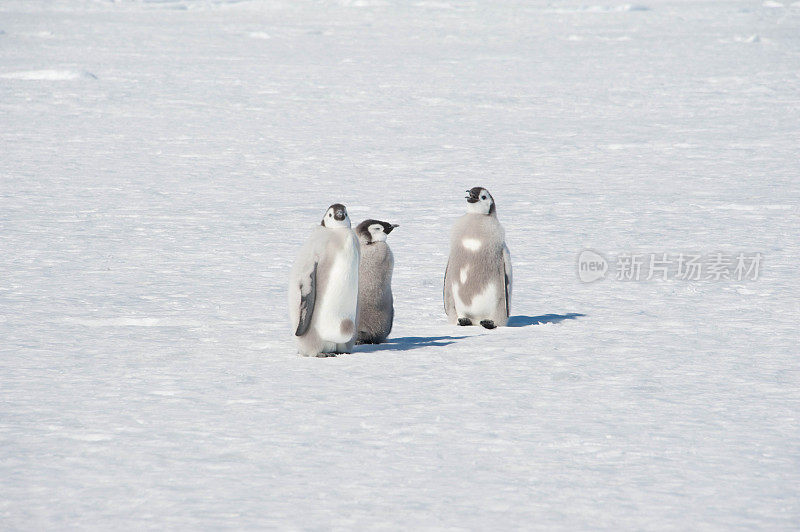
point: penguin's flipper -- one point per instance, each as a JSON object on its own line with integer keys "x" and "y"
{"x": 508, "y": 277}
{"x": 308, "y": 297}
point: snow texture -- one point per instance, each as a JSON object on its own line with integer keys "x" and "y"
{"x": 161, "y": 163}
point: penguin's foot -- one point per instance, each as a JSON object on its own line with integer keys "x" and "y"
{"x": 325, "y": 355}
{"x": 464, "y": 322}
{"x": 488, "y": 324}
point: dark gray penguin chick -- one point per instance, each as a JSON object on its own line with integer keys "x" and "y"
{"x": 477, "y": 281}
{"x": 375, "y": 303}
{"x": 323, "y": 287}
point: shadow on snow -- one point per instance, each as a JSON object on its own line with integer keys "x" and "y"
{"x": 522, "y": 321}
{"x": 407, "y": 343}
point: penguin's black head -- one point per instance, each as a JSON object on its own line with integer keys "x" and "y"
{"x": 480, "y": 201}
{"x": 371, "y": 231}
{"x": 336, "y": 216}
{"x": 473, "y": 194}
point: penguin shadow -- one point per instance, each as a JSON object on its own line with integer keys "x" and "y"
{"x": 407, "y": 343}
{"x": 524, "y": 321}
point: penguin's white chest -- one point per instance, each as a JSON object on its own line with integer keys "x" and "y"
{"x": 472, "y": 244}
{"x": 482, "y": 304}
{"x": 340, "y": 295}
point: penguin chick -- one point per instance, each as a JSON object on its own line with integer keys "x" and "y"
{"x": 375, "y": 303}
{"x": 323, "y": 287}
{"x": 477, "y": 281}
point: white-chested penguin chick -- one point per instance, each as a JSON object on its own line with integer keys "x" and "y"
{"x": 477, "y": 282}
{"x": 375, "y": 304}
{"x": 323, "y": 287}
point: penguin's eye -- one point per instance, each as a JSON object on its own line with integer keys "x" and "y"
{"x": 483, "y": 197}
{"x": 329, "y": 215}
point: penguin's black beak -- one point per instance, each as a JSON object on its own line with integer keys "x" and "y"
{"x": 472, "y": 196}
{"x": 339, "y": 214}
{"x": 388, "y": 228}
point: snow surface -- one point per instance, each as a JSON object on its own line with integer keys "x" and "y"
{"x": 162, "y": 161}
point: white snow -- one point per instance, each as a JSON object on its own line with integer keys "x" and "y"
{"x": 44, "y": 75}
{"x": 259, "y": 35}
{"x": 150, "y": 212}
